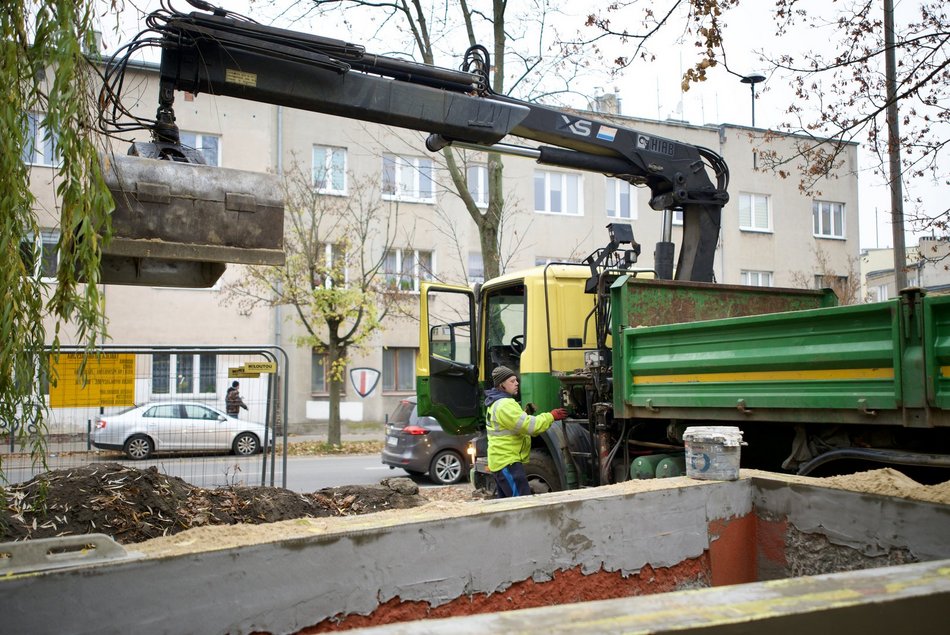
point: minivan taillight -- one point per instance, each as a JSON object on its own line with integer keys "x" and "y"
{"x": 415, "y": 430}
{"x": 100, "y": 424}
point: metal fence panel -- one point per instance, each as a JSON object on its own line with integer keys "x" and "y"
{"x": 162, "y": 407}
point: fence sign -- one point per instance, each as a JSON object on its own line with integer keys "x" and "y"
{"x": 241, "y": 372}
{"x": 260, "y": 367}
{"x": 110, "y": 381}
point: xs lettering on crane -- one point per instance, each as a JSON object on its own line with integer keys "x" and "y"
{"x": 580, "y": 127}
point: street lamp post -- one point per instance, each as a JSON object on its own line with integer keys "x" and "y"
{"x": 752, "y": 80}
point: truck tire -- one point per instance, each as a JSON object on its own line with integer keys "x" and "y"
{"x": 542, "y": 474}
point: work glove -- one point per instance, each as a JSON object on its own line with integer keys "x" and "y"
{"x": 559, "y": 413}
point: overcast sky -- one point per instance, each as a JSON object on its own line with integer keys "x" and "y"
{"x": 652, "y": 90}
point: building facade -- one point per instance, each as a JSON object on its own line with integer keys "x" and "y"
{"x": 771, "y": 231}
{"x": 928, "y": 268}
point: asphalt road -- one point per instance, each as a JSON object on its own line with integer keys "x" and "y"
{"x": 307, "y": 474}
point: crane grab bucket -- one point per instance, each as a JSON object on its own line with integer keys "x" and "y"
{"x": 178, "y": 224}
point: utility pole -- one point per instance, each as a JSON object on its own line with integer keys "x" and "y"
{"x": 894, "y": 149}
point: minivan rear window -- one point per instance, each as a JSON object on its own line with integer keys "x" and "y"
{"x": 401, "y": 413}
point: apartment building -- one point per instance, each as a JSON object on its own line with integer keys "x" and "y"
{"x": 927, "y": 268}
{"x": 771, "y": 232}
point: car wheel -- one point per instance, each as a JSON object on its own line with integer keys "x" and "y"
{"x": 542, "y": 473}
{"x": 246, "y": 444}
{"x": 447, "y": 468}
{"x": 139, "y": 447}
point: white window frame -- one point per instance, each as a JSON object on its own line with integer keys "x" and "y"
{"x": 199, "y": 145}
{"x": 404, "y": 179}
{"x": 755, "y": 223}
{"x": 44, "y": 252}
{"x": 817, "y": 212}
{"x": 614, "y": 192}
{"x": 476, "y": 178}
{"x": 882, "y": 292}
{"x": 175, "y": 381}
{"x": 329, "y": 251}
{"x": 410, "y": 270}
{"x": 42, "y": 145}
{"x": 562, "y": 180}
{"x": 330, "y": 161}
{"x": 751, "y": 278}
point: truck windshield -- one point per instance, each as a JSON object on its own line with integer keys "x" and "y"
{"x": 505, "y": 320}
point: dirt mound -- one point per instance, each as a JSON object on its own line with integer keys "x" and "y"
{"x": 133, "y": 505}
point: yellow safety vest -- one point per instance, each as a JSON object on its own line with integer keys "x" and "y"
{"x": 509, "y": 433}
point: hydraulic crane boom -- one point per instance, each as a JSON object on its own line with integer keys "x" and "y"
{"x": 220, "y": 54}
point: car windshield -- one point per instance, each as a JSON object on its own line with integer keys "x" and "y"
{"x": 401, "y": 414}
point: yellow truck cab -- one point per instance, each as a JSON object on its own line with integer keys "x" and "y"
{"x": 539, "y": 322}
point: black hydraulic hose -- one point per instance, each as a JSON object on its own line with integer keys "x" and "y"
{"x": 583, "y": 161}
{"x": 897, "y": 457}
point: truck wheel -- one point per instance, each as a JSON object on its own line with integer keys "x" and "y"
{"x": 542, "y": 474}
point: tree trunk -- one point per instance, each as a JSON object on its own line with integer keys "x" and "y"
{"x": 490, "y": 224}
{"x": 334, "y": 385}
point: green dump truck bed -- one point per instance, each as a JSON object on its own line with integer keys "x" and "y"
{"x": 882, "y": 363}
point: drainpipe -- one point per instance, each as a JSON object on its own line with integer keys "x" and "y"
{"x": 278, "y": 317}
{"x": 722, "y": 241}
{"x": 280, "y": 173}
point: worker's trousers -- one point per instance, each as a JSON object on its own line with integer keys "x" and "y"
{"x": 510, "y": 481}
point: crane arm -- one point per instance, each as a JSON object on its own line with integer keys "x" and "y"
{"x": 220, "y": 54}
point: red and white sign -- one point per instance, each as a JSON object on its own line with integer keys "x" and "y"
{"x": 364, "y": 380}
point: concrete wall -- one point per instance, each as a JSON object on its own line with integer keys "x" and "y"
{"x": 634, "y": 538}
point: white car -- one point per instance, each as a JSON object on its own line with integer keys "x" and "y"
{"x": 176, "y": 425}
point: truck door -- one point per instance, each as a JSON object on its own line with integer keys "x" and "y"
{"x": 446, "y": 374}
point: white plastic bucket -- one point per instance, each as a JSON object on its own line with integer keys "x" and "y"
{"x": 712, "y": 452}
